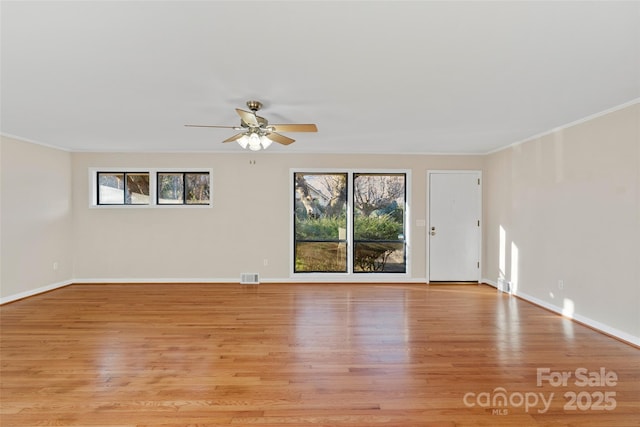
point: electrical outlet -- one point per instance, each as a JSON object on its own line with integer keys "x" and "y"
{"x": 561, "y": 284}
{"x": 55, "y": 266}
{"x": 265, "y": 262}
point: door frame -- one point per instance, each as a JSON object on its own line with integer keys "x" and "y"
{"x": 428, "y": 212}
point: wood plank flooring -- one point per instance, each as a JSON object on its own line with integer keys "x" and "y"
{"x": 305, "y": 354}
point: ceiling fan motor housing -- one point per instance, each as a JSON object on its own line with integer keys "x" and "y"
{"x": 254, "y": 105}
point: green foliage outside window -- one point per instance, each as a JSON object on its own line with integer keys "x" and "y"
{"x": 321, "y": 222}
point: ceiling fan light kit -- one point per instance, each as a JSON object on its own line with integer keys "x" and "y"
{"x": 257, "y": 133}
{"x": 254, "y": 142}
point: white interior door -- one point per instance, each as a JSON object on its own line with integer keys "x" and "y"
{"x": 454, "y": 226}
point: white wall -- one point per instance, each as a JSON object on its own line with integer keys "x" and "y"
{"x": 36, "y": 225}
{"x": 569, "y": 207}
{"x": 249, "y": 220}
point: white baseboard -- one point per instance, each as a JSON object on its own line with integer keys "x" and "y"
{"x": 624, "y": 336}
{"x": 303, "y": 278}
{"x": 164, "y": 280}
{"x": 489, "y": 282}
{"x": 32, "y": 292}
{"x": 601, "y": 327}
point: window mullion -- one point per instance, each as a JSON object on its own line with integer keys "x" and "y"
{"x": 153, "y": 188}
{"x": 184, "y": 188}
{"x": 350, "y": 223}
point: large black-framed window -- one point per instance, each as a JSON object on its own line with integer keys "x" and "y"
{"x": 320, "y": 222}
{"x": 122, "y": 188}
{"x": 350, "y": 222}
{"x": 379, "y": 244}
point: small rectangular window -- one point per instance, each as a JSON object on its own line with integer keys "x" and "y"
{"x": 183, "y": 188}
{"x": 197, "y": 188}
{"x": 123, "y": 188}
{"x": 142, "y": 187}
{"x": 170, "y": 188}
{"x": 137, "y": 188}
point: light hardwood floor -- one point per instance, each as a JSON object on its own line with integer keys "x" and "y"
{"x": 302, "y": 354}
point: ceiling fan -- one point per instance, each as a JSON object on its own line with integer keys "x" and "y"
{"x": 257, "y": 133}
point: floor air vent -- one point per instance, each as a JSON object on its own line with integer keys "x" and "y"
{"x": 249, "y": 278}
{"x": 504, "y": 286}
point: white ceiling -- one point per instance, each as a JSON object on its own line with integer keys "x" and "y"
{"x": 376, "y": 77}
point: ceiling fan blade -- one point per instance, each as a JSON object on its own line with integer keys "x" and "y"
{"x": 295, "y": 128}
{"x": 234, "y": 137}
{"x": 211, "y": 126}
{"x": 248, "y": 117}
{"x": 281, "y": 139}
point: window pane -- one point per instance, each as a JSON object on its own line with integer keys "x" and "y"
{"x": 110, "y": 188}
{"x": 197, "y": 188}
{"x": 323, "y": 257}
{"x": 386, "y": 257}
{"x": 378, "y": 219}
{"x": 320, "y": 222}
{"x": 137, "y": 192}
{"x": 170, "y": 188}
